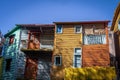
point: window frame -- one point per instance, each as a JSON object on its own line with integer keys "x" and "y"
{"x": 55, "y": 60}
{"x": 10, "y": 38}
{"x": 119, "y": 24}
{"x": 75, "y": 28}
{"x": 57, "y": 29}
{"x": 80, "y": 54}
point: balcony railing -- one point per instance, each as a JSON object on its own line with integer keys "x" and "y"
{"x": 94, "y": 39}
{"x": 43, "y": 44}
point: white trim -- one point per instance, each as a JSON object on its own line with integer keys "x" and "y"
{"x": 61, "y": 29}
{"x": 55, "y": 60}
{"x": 119, "y": 25}
{"x": 74, "y": 57}
{"x": 78, "y": 26}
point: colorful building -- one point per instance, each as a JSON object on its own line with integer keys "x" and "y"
{"x": 28, "y": 52}
{"x": 43, "y": 51}
{"x": 80, "y": 44}
{"x": 116, "y": 30}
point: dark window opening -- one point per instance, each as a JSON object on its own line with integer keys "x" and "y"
{"x": 8, "y": 64}
{"x": 57, "y": 60}
{"x": 59, "y": 29}
{"x": 1, "y": 50}
{"x": 78, "y": 29}
{"x": 77, "y": 61}
{"x": 11, "y": 39}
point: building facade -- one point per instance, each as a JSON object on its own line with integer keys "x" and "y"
{"x": 116, "y": 30}
{"x": 80, "y": 44}
{"x": 43, "y": 51}
{"x": 28, "y": 52}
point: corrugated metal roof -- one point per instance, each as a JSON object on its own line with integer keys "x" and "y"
{"x": 83, "y": 22}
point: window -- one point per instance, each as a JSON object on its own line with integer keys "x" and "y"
{"x": 8, "y": 64}
{"x": 94, "y": 39}
{"x": 1, "y": 50}
{"x": 110, "y": 35}
{"x": 11, "y": 39}
{"x": 57, "y": 60}
{"x": 59, "y": 29}
{"x": 0, "y": 39}
{"x": 77, "y": 57}
{"x": 78, "y": 29}
{"x": 119, "y": 25}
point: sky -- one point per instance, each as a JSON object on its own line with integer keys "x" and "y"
{"x": 14, "y": 12}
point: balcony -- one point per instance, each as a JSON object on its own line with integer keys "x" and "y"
{"x": 38, "y": 40}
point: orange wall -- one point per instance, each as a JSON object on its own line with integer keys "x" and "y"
{"x": 95, "y": 55}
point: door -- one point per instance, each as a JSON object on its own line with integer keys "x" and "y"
{"x": 31, "y": 69}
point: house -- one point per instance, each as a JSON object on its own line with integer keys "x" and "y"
{"x": 80, "y": 44}
{"x": 116, "y": 30}
{"x": 28, "y": 52}
{"x": 43, "y": 51}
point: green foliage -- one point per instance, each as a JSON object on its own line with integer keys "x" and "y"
{"x": 90, "y": 73}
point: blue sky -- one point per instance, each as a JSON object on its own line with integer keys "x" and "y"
{"x": 47, "y": 11}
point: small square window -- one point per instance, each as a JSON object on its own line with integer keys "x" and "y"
{"x": 57, "y": 60}
{"x": 77, "y": 50}
{"x": 59, "y": 29}
{"x": 0, "y": 39}
{"x": 78, "y": 29}
{"x": 11, "y": 39}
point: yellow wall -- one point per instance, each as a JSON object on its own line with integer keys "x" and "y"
{"x": 116, "y": 23}
{"x": 64, "y": 45}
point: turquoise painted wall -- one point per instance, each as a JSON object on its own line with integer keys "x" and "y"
{"x": 10, "y": 52}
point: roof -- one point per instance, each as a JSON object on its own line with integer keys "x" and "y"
{"x": 28, "y": 25}
{"x": 14, "y": 29}
{"x": 83, "y": 22}
{"x": 115, "y": 16}
{"x": 52, "y": 25}
{"x": 35, "y": 25}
